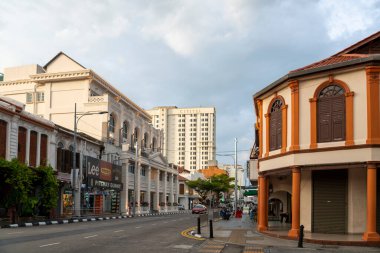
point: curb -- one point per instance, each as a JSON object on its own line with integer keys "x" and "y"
{"x": 77, "y": 220}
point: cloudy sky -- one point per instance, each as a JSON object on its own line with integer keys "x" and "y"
{"x": 187, "y": 53}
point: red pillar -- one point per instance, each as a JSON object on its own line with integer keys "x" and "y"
{"x": 370, "y": 234}
{"x": 296, "y": 182}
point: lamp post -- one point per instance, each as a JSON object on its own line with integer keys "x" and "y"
{"x": 235, "y": 166}
{"x": 76, "y": 197}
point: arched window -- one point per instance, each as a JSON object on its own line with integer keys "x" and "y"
{"x": 135, "y": 136}
{"x": 3, "y": 138}
{"x": 275, "y": 125}
{"x": 331, "y": 114}
{"x": 125, "y": 129}
{"x": 146, "y": 140}
{"x": 154, "y": 143}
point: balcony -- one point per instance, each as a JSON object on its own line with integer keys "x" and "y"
{"x": 98, "y": 99}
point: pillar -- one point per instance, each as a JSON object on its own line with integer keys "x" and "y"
{"x": 296, "y": 182}
{"x": 267, "y": 120}
{"x": 294, "y": 138}
{"x": 370, "y": 234}
{"x": 373, "y": 120}
{"x": 262, "y": 210}
{"x": 158, "y": 190}
{"x": 27, "y": 155}
{"x": 124, "y": 193}
{"x": 313, "y": 123}
{"x": 148, "y": 191}
{"x": 138, "y": 188}
{"x": 164, "y": 190}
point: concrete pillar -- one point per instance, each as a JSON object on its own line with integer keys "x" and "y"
{"x": 171, "y": 197}
{"x": 149, "y": 181}
{"x": 370, "y": 234}
{"x": 138, "y": 187}
{"x": 165, "y": 192}
{"x": 27, "y": 157}
{"x": 157, "y": 190}
{"x": 124, "y": 193}
{"x": 296, "y": 182}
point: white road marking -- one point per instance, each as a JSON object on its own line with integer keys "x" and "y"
{"x": 154, "y": 224}
{"x": 15, "y": 233}
{"x": 165, "y": 222}
{"x": 90, "y": 236}
{"x": 174, "y": 220}
{"x": 137, "y": 227}
{"x": 49, "y": 244}
{"x": 117, "y": 231}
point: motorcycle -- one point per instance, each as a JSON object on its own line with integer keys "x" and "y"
{"x": 225, "y": 214}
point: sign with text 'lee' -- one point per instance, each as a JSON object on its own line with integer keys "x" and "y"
{"x": 103, "y": 174}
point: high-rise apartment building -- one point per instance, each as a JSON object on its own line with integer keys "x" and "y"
{"x": 189, "y": 134}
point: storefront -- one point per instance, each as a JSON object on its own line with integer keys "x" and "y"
{"x": 103, "y": 186}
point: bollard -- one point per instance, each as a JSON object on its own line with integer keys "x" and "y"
{"x": 211, "y": 230}
{"x": 199, "y": 225}
{"x": 300, "y": 238}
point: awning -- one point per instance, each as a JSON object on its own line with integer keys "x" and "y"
{"x": 250, "y": 192}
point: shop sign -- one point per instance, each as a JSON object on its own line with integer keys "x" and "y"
{"x": 103, "y": 174}
{"x": 65, "y": 177}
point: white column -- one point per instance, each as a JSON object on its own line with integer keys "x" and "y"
{"x": 38, "y": 149}
{"x": 124, "y": 193}
{"x": 165, "y": 185}
{"x": 27, "y": 146}
{"x": 171, "y": 196}
{"x": 138, "y": 188}
{"x": 158, "y": 190}
{"x": 148, "y": 191}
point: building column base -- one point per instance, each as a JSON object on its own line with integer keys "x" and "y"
{"x": 261, "y": 228}
{"x": 294, "y": 233}
{"x": 371, "y": 237}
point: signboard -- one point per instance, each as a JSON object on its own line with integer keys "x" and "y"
{"x": 102, "y": 174}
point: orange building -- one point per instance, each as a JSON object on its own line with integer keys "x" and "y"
{"x": 318, "y": 130}
{"x": 212, "y": 171}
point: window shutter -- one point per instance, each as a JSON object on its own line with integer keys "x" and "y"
{"x": 324, "y": 120}
{"x": 21, "y": 152}
{"x": 67, "y": 159}
{"x": 338, "y": 119}
{"x": 3, "y": 138}
{"x": 59, "y": 159}
{"x": 43, "y": 149}
{"x": 279, "y": 129}
{"x": 33, "y": 149}
{"x": 272, "y": 132}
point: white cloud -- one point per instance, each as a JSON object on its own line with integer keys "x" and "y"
{"x": 345, "y": 17}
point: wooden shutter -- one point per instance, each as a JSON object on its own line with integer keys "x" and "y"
{"x": 33, "y": 149}
{"x": 3, "y": 138}
{"x": 21, "y": 146}
{"x": 338, "y": 118}
{"x": 59, "y": 159}
{"x": 181, "y": 189}
{"x": 67, "y": 161}
{"x": 272, "y": 131}
{"x": 278, "y": 129}
{"x": 43, "y": 149}
{"x": 324, "y": 120}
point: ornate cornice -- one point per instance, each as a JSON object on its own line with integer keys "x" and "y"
{"x": 61, "y": 76}
{"x": 16, "y": 82}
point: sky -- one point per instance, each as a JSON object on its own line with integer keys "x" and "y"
{"x": 187, "y": 53}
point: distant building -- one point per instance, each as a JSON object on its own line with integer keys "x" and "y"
{"x": 189, "y": 134}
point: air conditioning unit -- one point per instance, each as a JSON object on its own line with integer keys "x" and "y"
{"x": 125, "y": 147}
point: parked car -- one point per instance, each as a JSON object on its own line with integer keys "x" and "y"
{"x": 199, "y": 209}
{"x": 181, "y": 207}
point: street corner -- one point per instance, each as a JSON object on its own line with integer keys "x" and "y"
{"x": 191, "y": 234}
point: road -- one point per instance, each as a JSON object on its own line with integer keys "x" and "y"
{"x": 140, "y": 234}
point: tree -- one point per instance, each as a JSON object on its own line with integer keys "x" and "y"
{"x": 216, "y": 183}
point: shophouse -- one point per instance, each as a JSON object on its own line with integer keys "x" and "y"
{"x": 319, "y": 133}
{"x": 70, "y": 95}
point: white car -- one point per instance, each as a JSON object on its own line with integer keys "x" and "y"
{"x": 181, "y": 207}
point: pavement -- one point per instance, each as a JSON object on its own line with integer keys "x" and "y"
{"x": 240, "y": 235}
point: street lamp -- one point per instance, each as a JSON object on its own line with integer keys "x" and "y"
{"x": 76, "y": 120}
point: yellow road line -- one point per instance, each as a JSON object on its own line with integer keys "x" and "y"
{"x": 186, "y": 234}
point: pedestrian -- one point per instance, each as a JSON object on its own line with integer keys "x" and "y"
{"x": 238, "y": 213}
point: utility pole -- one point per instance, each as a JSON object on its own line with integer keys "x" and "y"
{"x": 235, "y": 166}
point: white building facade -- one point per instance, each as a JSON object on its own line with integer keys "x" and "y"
{"x": 54, "y": 90}
{"x": 189, "y": 135}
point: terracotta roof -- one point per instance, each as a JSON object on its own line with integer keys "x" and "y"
{"x": 331, "y": 60}
{"x": 212, "y": 171}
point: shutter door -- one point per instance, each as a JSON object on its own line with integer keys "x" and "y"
{"x": 338, "y": 119}
{"x": 324, "y": 120}
{"x": 33, "y": 149}
{"x": 3, "y": 138}
{"x": 330, "y": 202}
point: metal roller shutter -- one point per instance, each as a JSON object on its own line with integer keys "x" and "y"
{"x": 330, "y": 202}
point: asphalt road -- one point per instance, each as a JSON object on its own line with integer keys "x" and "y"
{"x": 140, "y": 234}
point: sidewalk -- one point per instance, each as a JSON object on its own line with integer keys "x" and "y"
{"x": 243, "y": 232}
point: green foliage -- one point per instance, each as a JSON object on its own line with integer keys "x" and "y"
{"x": 217, "y": 184}
{"x": 27, "y": 189}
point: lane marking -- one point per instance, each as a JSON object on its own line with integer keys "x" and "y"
{"x": 15, "y": 233}
{"x": 154, "y": 224}
{"x": 90, "y": 236}
{"x": 117, "y": 231}
{"x": 165, "y": 222}
{"x": 50, "y": 244}
{"x": 137, "y": 227}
